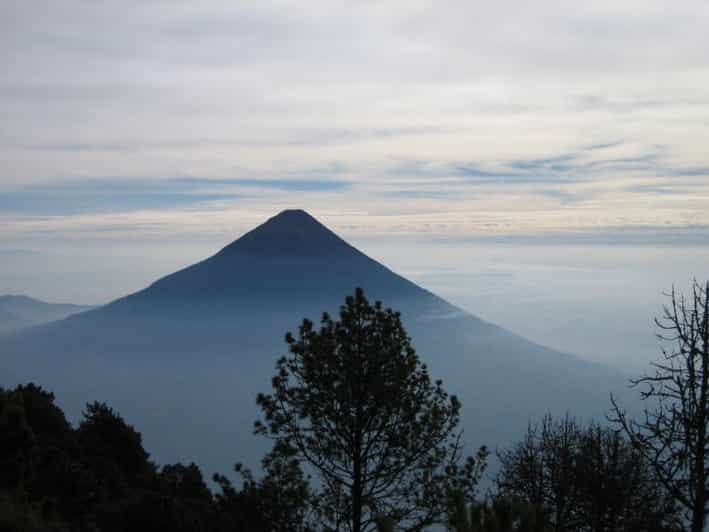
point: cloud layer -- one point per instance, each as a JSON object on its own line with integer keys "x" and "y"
{"x": 452, "y": 118}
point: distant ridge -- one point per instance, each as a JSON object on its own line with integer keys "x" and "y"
{"x": 185, "y": 357}
{"x": 20, "y": 311}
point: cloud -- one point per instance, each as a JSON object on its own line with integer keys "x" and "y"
{"x": 563, "y": 196}
{"x": 504, "y": 115}
{"x": 583, "y": 165}
{"x": 641, "y": 235}
{"x": 702, "y": 171}
{"x": 310, "y": 137}
{"x": 124, "y": 195}
{"x": 425, "y": 194}
{"x": 17, "y": 252}
{"x": 604, "y": 146}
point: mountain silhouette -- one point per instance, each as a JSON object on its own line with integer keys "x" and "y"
{"x": 291, "y": 233}
{"x": 290, "y": 256}
{"x": 19, "y": 311}
{"x": 185, "y": 357}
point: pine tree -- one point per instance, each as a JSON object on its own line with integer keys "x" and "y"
{"x": 355, "y": 403}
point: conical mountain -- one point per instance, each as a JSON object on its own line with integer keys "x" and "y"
{"x": 288, "y": 264}
{"x": 185, "y": 357}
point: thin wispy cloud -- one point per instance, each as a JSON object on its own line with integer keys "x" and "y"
{"x": 322, "y": 138}
{"x": 17, "y": 252}
{"x": 125, "y": 195}
{"x": 502, "y": 117}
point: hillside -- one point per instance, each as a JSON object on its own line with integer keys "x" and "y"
{"x": 17, "y": 312}
{"x": 185, "y": 357}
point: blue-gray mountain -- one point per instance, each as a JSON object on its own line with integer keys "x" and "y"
{"x": 18, "y": 312}
{"x": 184, "y": 358}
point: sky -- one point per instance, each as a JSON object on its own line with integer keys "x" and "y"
{"x": 137, "y": 137}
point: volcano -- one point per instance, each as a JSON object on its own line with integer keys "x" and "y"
{"x": 184, "y": 358}
{"x": 290, "y": 257}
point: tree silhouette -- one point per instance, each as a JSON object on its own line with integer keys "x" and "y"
{"x": 98, "y": 477}
{"x": 673, "y": 433}
{"x": 18, "y": 444}
{"x": 353, "y": 400}
{"x": 542, "y": 469}
{"x": 114, "y": 451}
{"x": 587, "y": 478}
{"x": 281, "y": 501}
{"x": 501, "y": 514}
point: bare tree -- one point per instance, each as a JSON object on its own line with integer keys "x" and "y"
{"x": 542, "y": 469}
{"x": 672, "y": 433}
{"x": 583, "y": 478}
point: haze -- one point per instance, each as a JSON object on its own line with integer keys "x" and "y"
{"x": 543, "y": 166}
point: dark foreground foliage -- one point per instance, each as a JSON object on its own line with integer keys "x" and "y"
{"x": 98, "y": 477}
{"x": 673, "y": 432}
{"x": 580, "y": 478}
{"x": 364, "y": 414}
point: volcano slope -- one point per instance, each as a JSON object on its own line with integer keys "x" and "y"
{"x": 184, "y": 358}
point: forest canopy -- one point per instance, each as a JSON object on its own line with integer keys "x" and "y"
{"x": 352, "y": 404}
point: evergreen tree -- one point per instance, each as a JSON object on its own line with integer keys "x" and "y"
{"x": 281, "y": 501}
{"x": 353, "y": 401}
{"x": 114, "y": 451}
